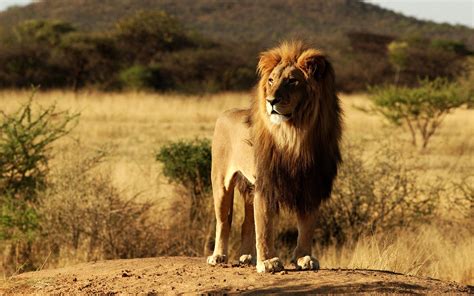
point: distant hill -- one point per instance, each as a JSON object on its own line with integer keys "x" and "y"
{"x": 261, "y": 22}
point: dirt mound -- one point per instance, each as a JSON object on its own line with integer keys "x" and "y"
{"x": 172, "y": 275}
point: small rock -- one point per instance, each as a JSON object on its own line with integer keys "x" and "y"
{"x": 283, "y": 272}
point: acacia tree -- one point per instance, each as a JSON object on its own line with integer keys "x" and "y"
{"x": 398, "y": 56}
{"x": 422, "y": 109}
{"x": 144, "y": 34}
{"x": 44, "y": 31}
{"x": 26, "y": 137}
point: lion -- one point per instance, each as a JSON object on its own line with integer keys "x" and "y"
{"x": 282, "y": 152}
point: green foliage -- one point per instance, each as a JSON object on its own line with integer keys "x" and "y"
{"x": 47, "y": 31}
{"x": 24, "y": 65}
{"x": 137, "y": 77}
{"x": 450, "y": 45}
{"x": 25, "y": 142}
{"x": 209, "y": 69}
{"x": 209, "y": 47}
{"x": 423, "y": 108}
{"x": 145, "y": 34}
{"x": 188, "y": 163}
{"x": 87, "y": 59}
{"x": 397, "y": 53}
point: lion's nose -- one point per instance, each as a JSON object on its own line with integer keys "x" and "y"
{"x": 273, "y": 101}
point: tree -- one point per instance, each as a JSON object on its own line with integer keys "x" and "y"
{"x": 145, "y": 34}
{"x": 422, "y": 109}
{"x": 47, "y": 31}
{"x": 25, "y": 142}
{"x": 397, "y": 54}
{"x": 87, "y": 58}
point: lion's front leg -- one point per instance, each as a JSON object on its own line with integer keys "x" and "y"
{"x": 266, "y": 259}
{"x": 302, "y": 258}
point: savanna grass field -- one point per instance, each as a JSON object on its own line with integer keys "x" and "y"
{"x": 116, "y": 138}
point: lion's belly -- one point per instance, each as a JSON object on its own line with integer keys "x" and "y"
{"x": 243, "y": 160}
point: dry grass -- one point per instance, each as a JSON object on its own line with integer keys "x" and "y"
{"x": 134, "y": 125}
{"x": 428, "y": 251}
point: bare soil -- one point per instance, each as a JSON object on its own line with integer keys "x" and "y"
{"x": 175, "y": 275}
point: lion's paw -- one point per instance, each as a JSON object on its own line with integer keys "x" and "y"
{"x": 270, "y": 265}
{"x": 307, "y": 263}
{"x": 246, "y": 259}
{"x": 216, "y": 259}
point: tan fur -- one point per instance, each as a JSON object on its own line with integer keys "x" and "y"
{"x": 286, "y": 146}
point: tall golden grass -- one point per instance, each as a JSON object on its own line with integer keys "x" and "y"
{"x": 132, "y": 126}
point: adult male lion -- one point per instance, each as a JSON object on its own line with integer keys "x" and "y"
{"x": 282, "y": 152}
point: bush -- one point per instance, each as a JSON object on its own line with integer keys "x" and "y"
{"x": 25, "y": 143}
{"x": 84, "y": 214}
{"x": 421, "y": 109}
{"x": 137, "y": 77}
{"x": 373, "y": 194}
{"x": 187, "y": 163}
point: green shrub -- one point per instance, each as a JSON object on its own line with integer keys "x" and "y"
{"x": 188, "y": 164}
{"x": 25, "y": 143}
{"x": 137, "y": 77}
{"x": 422, "y": 109}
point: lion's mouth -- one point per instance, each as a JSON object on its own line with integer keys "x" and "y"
{"x": 278, "y": 118}
{"x": 288, "y": 115}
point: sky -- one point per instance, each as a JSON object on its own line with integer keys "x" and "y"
{"x": 449, "y": 11}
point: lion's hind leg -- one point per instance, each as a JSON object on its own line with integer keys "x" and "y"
{"x": 223, "y": 206}
{"x": 247, "y": 247}
{"x": 302, "y": 258}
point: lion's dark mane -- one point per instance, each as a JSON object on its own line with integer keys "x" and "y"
{"x": 301, "y": 183}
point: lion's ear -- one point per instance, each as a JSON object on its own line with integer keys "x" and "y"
{"x": 268, "y": 61}
{"x": 313, "y": 63}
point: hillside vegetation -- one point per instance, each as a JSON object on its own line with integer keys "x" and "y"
{"x": 210, "y": 46}
{"x": 258, "y": 21}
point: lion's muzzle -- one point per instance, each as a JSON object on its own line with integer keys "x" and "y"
{"x": 274, "y": 111}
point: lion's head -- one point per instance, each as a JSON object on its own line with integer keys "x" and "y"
{"x": 296, "y": 124}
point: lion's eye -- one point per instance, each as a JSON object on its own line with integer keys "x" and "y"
{"x": 270, "y": 81}
{"x": 293, "y": 81}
